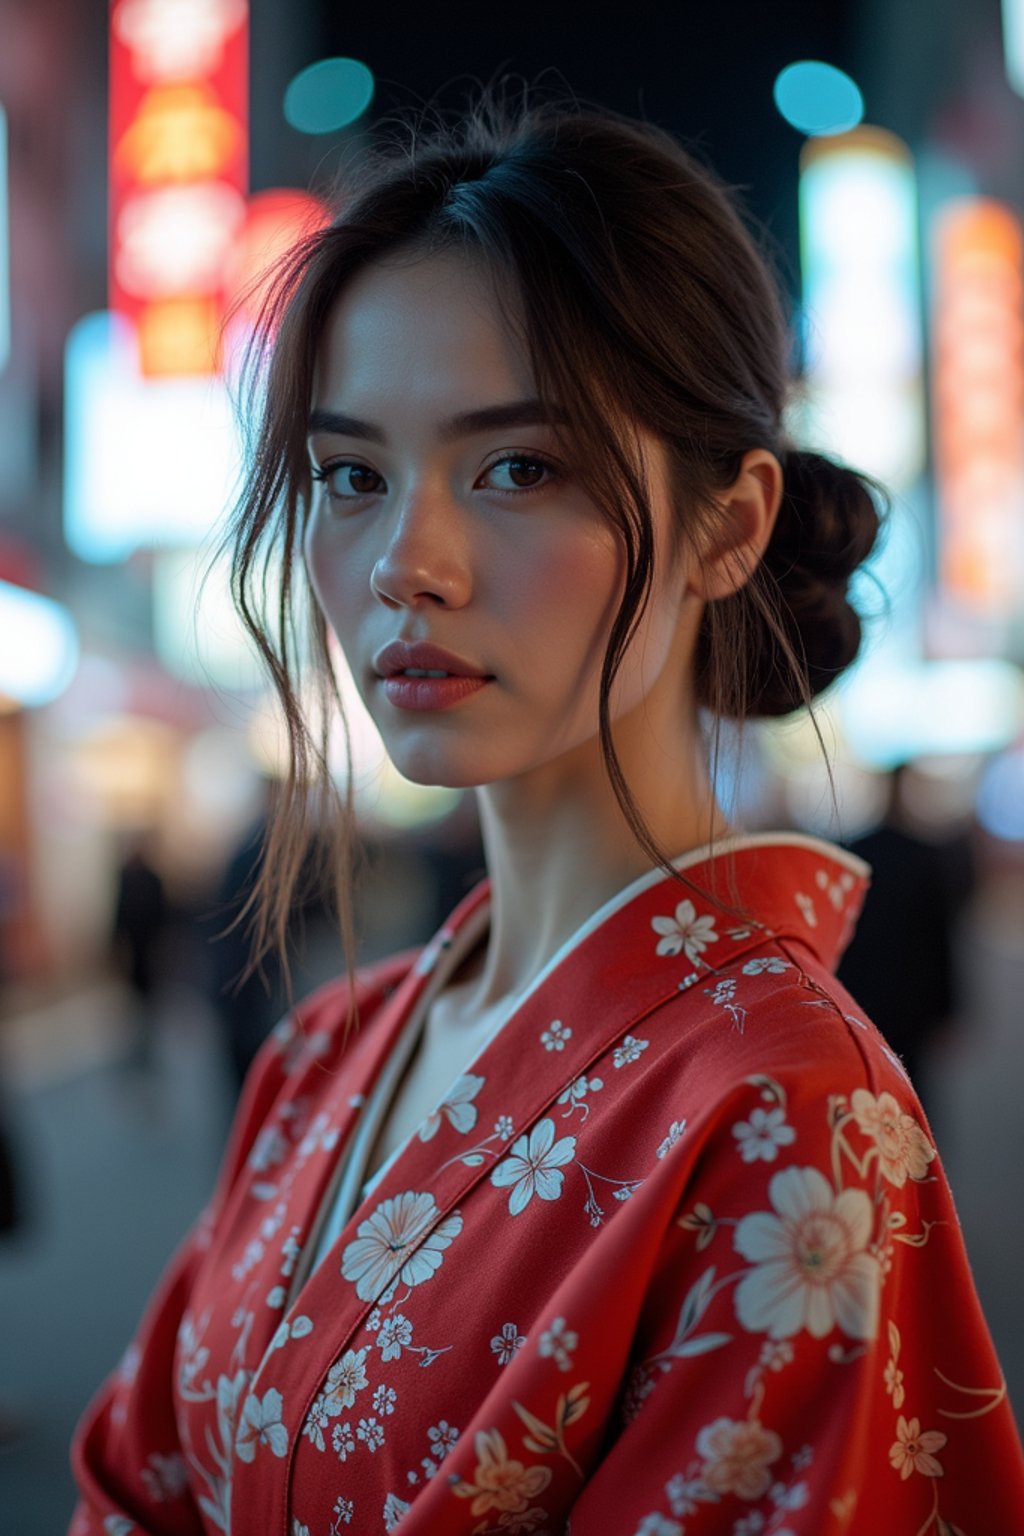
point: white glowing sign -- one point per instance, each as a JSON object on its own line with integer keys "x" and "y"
{"x": 172, "y": 38}
{"x": 38, "y": 646}
{"x": 861, "y": 290}
{"x": 196, "y": 630}
{"x": 177, "y": 237}
{"x": 147, "y": 461}
{"x": 891, "y": 713}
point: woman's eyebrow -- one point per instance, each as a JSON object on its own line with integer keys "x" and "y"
{"x": 518, "y": 413}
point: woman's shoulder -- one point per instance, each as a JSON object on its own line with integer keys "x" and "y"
{"x": 324, "y": 1019}
{"x": 370, "y": 985}
{"x": 303, "y": 1050}
{"x": 778, "y": 1010}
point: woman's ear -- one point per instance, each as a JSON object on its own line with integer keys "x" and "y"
{"x": 735, "y": 546}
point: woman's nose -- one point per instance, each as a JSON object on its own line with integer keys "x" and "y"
{"x": 426, "y": 557}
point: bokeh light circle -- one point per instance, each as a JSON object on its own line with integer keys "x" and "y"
{"x": 328, "y": 95}
{"x": 817, "y": 98}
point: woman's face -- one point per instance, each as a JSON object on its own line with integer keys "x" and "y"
{"x": 474, "y": 539}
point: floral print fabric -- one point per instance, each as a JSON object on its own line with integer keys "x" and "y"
{"x": 675, "y": 1256}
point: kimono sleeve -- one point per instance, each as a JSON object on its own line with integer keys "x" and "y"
{"x": 126, "y": 1453}
{"x": 812, "y": 1356}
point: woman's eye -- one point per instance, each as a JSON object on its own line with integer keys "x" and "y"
{"x": 341, "y": 479}
{"x": 523, "y": 463}
{"x": 345, "y": 479}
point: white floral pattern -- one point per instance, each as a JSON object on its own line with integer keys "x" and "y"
{"x": 165, "y": 1477}
{"x": 456, "y": 1107}
{"x": 771, "y": 964}
{"x": 629, "y": 1051}
{"x": 555, "y": 1037}
{"x": 261, "y": 1425}
{"x": 393, "y": 1334}
{"x": 534, "y": 1167}
{"x": 658, "y": 1525}
{"x": 345, "y": 1378}
{"x": 837, "y": 890}
{"x": 557, "y": 1343}
{"x": 685, "y": 931}
{"x": 812, "y": 1270}
{"x": 575, "y": 1096}
{"x": 390, "y": 1244}
{"x": 507, "y": 1343}
{"x": 675, "y": 1130}
{"x": 763, "y": 1134}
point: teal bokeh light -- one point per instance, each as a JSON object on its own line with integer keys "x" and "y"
{"x": 817, "y": 98}
{"x": 328, "y": 95}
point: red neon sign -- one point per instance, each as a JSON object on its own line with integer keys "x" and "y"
{"x": 179, "y": 150}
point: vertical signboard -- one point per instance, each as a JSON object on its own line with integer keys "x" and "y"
{"x": 861, "y": 291}
{"x": 178, "y": 172}
{"x": 978, "y": 408}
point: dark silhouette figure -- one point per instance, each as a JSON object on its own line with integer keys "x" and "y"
{"x": 249, "y": 1002}
{"x": 406, "y": 888}
{"x": 139, "y": 920}
{"x": 900, "y": 963}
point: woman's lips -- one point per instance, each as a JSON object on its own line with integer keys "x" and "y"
{"x": 426, "y": 693}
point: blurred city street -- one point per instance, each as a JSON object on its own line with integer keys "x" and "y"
{"x": 120, "y": 1158}
{"x": 193, "y": 579}
{"x": 117, "y": 1161}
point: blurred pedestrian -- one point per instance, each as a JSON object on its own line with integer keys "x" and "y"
{"x": 900, "y": 964}
{"x": 140, "y": 918}
{"x": 248, "y": 1000}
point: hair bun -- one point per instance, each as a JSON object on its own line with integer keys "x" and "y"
{"x": 826, "y": 527}
{"x": 827, "y": 522}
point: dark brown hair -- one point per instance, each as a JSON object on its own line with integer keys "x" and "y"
{"x": 644, "y": 300}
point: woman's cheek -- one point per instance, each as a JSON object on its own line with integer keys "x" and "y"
{"x": 314, "y": 556}
{"x": 575, "y": 589}
{"x": 332, "y": 574}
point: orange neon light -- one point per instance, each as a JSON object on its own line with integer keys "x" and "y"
{"x": 179, "y": 336}
{"x": 978, "y": 404}
{"x": 180, "y": 133}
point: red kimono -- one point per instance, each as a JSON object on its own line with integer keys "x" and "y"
{"x": 675, "y": 1255}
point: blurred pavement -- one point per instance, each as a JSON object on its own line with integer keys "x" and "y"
{"x": 117, "y": 1163}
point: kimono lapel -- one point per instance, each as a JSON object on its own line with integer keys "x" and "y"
{"x": 634, "y": 956}
{"x": 299, "y": 1151}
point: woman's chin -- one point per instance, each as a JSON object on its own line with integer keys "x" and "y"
{"x": 440, "y": 770}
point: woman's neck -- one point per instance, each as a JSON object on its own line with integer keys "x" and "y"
{"x": 558, "y": 847}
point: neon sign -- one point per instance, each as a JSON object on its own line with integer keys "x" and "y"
{"x": 978, "y": 405}
{"x": 178, "y": 172}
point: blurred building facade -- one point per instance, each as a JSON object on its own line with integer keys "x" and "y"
{"x": 161, "y": 732}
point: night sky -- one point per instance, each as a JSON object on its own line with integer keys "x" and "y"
{"x": 705, "y": 72}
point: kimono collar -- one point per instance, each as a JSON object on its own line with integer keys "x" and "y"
{"x": 749, "y": 888}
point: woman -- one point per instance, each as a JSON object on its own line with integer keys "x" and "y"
{"x": 608, "y": 1211}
